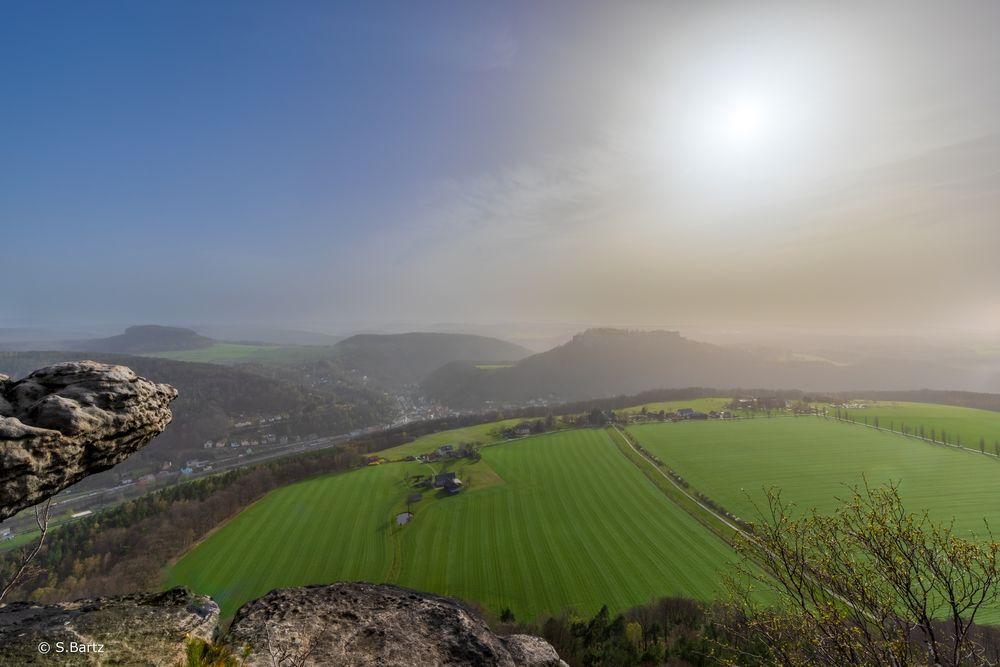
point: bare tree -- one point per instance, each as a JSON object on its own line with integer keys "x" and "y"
{"x": 870, "y": 584}
{"x": 42, "y": 521}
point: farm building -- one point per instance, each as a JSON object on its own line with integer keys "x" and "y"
{"x": 447, "y": 481}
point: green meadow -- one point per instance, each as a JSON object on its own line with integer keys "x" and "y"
{"x": 968, "y": 424}
{"x": 564, "y": 521}
{"x": 232, "y": 353}
{"x": 813, "y": 461}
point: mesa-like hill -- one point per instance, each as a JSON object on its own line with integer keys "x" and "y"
{"x": 147, "y": 338}
{"x": 394, "y": 360}
{"x": 606, "y": 362}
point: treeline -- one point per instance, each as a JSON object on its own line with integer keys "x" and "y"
{"x": 674, "y": 632}
{"x": 964, "y": 399}
{"x": 124, "y": 549}
{"x": 677, "y": 632}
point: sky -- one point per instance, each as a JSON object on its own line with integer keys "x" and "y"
{"x": 321, "y": 165}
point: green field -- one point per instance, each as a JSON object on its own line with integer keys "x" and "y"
{"x": 967, "y": 423}
{"x": 481, "y": 433}
{"x": 568, "y": 522}
{"x": 232, "y": 353}
{"x": 812, "y": 459}
{"x": 331, "y": 529}
{"x": 705, "y": 405}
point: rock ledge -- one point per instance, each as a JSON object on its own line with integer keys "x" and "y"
{"x": 67, "y": 421}
{"x": 359, "y": 624}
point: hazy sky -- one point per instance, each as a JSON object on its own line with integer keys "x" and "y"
{"x": 309, "y": 164}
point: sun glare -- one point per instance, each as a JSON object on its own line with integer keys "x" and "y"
{"x": 743, "y": 122}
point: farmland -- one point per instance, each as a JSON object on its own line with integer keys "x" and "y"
{"x": 812, "y": 459}
{"x": 329, "y": 529}
{"x": 700, "y": 404}
{"x": 567, "y": 522}
{"x": 966, "y": 424}
{"x": 232, "y": 353}
{"x": 481, "y": 433}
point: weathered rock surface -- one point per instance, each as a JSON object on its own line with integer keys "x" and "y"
{"x": 141, "y": 629}
{"x": 70, "y": 420}
{"x": 358, "y": 624}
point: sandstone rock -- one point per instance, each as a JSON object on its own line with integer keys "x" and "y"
{"x": 67, "y": 421}
{"x": 358, "y": 624}
{"x": 140, "y": 629}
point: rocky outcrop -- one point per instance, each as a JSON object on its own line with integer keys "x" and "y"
{"x": 357, "y": 625}
{"x": 142, "y": 629}
{"x": 70, "y": 420}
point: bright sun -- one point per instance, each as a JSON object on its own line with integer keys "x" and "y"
{"x": 743, "y": 122}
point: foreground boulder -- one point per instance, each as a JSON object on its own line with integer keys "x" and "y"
{"x": 67, "y": 421}
{"x": 358, "y": 624}
{"x": 140, "y": 629}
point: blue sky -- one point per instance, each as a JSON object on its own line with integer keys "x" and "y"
{"x": 322, "y": 163}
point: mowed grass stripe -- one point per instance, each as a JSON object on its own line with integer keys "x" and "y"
{"x": 577, "y": 526}
{"x": 334, "y": 528}
{"x": 574, "y": 525}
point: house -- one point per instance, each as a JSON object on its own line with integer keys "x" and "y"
{"x": 685, "y": 413}
{"x": 445, "y": 450}
{"x": 443, "y": 478}
{"x": 453, "y": 486}
{"x": 697, "y": 415}
{"x": 522, "y": 429}
{"x": 6, "y": 534}
{"x": 187, "y": 470}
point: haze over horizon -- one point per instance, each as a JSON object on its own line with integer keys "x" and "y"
{"x": 720, "y": 168}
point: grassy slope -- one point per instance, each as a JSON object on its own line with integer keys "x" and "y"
{"x": 701, "y": 404}
{"x": 223, "y": 353}
{"x": 969, "y": 423}
{"x": 575, "y": 525}
{"x": 569, "y": 522}
{"x": 318, "y": 531}
{"x": 481, "y": 433}
{"x": 812, "y": 459}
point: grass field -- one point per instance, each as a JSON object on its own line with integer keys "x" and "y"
{"x": 334, "y": 528}
{"x": 811, "y": 460}
{"x": 700, "y": 404}
{"x": 968, "y": 423}
{"x": 568, "y": 523}
{"x": 481, "y": 433}
{"x": 232, "y": 353}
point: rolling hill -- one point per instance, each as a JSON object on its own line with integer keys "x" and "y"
{"x": 147, "y": 338}
{"x": 396, "y": 360}
{"x": 606, "y": 362}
